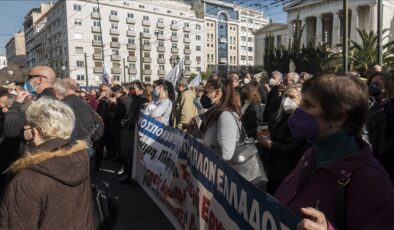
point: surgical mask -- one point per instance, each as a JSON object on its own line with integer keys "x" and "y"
{"x": 29, "y": 88}
{"x": 246, "y": 80}
{"x": 289, "y": 105}
{"x": 13, "y": 92}
{"x": 156, "y": 93}
{"x": 303, "y": 125}
{"x": 206, "y": 102}
{"x": 374, "y": 89}
{"x": 272, "y": 82}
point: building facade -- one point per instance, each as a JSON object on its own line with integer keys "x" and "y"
{"x": 16, "y": 50}
{"x": 3, "y": 62}
{"x": 323, "y": 19}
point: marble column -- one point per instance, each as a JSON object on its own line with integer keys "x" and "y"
{"x": 354, "y": 25}
{"x": 336, "y": 29}
{"x": 319, "y": 29}
{"x": 373, "y": 17}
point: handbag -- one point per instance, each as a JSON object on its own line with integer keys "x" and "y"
{"x": 246, "y": 160}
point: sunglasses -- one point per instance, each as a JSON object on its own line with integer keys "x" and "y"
{"x": 34, "y": 76}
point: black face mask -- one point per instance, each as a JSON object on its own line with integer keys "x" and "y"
{"x": 374, "y": 90}
{"x": 206, "y": 102}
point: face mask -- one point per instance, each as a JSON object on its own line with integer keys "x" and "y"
{"x": 246, "y": 80}
{"x": 289, "y": 105}
{"x": 156, "y": 93}
{"x": 303, "y": 125}
{"x": 29, "y": 88}
{"x": 13, "y": 92}
{"x": 272, "y": 81}
{"x": 374, "y": 89}
{"x": 206, "y": 102}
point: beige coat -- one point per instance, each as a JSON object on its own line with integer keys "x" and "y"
{"x": 184, "y": 109}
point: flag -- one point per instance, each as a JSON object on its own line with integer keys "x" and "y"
{"x": 196, "y": 81}
{"x": 106, "y": 77}
{"x": 175, "y": 73}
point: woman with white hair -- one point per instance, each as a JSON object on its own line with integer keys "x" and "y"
{"x": 50, "y": 188}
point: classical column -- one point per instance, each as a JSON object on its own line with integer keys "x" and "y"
{"x": 372, "y": 17}
{"x": 336, "y": 29}
{"x": 319, "y": 29}
{"x": 304, "y": 36}
{"x": 354, "y": 24}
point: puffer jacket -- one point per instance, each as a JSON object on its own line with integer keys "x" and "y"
{"x": 50, "y": 189}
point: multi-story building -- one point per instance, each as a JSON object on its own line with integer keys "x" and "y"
{"x": 130, "y": 39}
{"x": 3, "y": 62}
{"x": 15, "y": 49}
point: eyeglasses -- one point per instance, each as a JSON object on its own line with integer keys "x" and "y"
{"x": 30, "y": 76}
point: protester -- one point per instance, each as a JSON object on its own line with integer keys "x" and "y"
{"x": 161, "y": 107}
{"x": 220, "y": 125}
{"x": 51, "y": 185}
{"x": 184, "y": 109}
{"x": 280, "y": 150}
{"x": 247, "y": 79}
{"x": 250, "y": 110}
{"x": 41, "y": 80}
{"x": 331, "y": 115}
{"x": 126, "y": 101}
{"x": 380, "y": 126}
{"x": 377, "y": 95}
{"x": 303, "y": 77}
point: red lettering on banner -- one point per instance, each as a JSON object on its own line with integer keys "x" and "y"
{"x": 196, "y": 201}
{"x": 205, "y": 208}
{"x": 185, "y": 173}
{"x": 192, "y": 225}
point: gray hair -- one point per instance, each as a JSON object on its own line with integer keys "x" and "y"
{"x": 182, "y": 81}
{"x": 59, "y": 87}
{"x": 276, "y": 73}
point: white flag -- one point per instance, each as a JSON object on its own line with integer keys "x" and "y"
{"x": 106, "y": 77}
{"x": 175, "y": 73}
{"x": 196, "y": 81}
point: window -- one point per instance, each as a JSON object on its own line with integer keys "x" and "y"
{"x": 174, "y": 45}
{"x": 114, "y": 13}
{"x": 130, "y": 15}
{"x": 187, "y": 24}
{"x": 182, "y": 14}
{"x": 97, "y": 37}
{"x": 126, "y": 3}
{"x": 250, "y": 49}
{"x": 146, "y": 43}
{"x": 208, "y": 57}
{"x": 116, "y": 77}
{"x": 161, "y": 67}
{"x": 147, "y": 78}
{"x": 186, "y": 36}
{"x": 243, "y": 58}
{"x": 243, "y": 29}
{"x": 243, "y": 48}
{"x": 160, "y": 20}
{"x": 198, "y": 37}
{"x": 95, "y": 9}
{"x": 243, "y": 38}
{"x": 173, "y": 22}
{"x": 115, "y": 52}
{"x": 131, "y": 65}
{"x": 169, "y": 11}
{"x": 131, "y": 53}
{"x": 114, "y": 26}
{"x": 212, "y": 57}
{"x": 77, "y": 7}
{"x": 131, "y": 41}
{"x": 146, "y": 30}
{"x": 187, "y": 47}
{"x": 160, "y": 32}
{"x": 198, "y": 59}
{"x": 114, "y": 39}
{"x": 198, "y": 48}
{"x": 96, "y": 23}
{"x": 174, "y": 33}
{"x": 77, "y": 21}
{"x": 161, "y": 55}
{"x": 147, "y": 66}
{"x": 198, "y": 69}
{"x": 98, "y": 64}
{"x": 80, "y": 64}
{"x": 250, "y": 58}
{"x": 141, "y": 6}
{"x": 156, "y": 9}
{"x": 78, "y": 36}
{"x": 146, "y": 18}
{"x": 97, "y": 51}
{"x": 115, "y": 65}
{"x": 161, "y": 44}
{"x": 198, "y": 27}
{"x": 78, "y": 50}
{"x": 130, "y": 28}
{"x": 250, "y": 39}
{"x": 80, "y": 77}
{"x": 147, "y": 54}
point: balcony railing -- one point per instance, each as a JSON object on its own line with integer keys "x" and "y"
{"x": 114, "y": 18}
{"x": 130, "y": 20}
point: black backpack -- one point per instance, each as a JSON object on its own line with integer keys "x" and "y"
{"x": 105, "y": 207}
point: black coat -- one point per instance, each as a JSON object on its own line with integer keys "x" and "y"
{"x": 84, "y": 123}
{"x": 103, "y": 109}
{"x": 273, "y": 104}
{"x": 116, "y": 113}
{"x": 250, "y": 121}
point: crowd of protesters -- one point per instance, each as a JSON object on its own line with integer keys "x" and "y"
{"x": 326, "y": 142}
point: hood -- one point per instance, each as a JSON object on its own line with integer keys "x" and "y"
{"x": 58, "y": 159}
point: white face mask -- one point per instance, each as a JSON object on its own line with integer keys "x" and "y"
{"x": 272, "y": 82}
{"x": 289, "y": 105}
{"x": 246, "y": 80}
{"x": 13, "y": 92}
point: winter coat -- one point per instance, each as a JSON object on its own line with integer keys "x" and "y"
{"x": 273, "y": 104}
{"x": 370, "y": 194}
{"x": 250, "y": 121}
{"x": 184, "y": 109}
{"x": 117, "y": 113}
{"x": 103, "y": 109}
{"x": 50, "y": 189}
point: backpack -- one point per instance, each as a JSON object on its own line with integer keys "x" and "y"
{"x": 98, "y": 130}
{"x": 104, "y": 206}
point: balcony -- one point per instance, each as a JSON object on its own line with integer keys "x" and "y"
{"x": 97, "y": 57}
{"x": 147, "y": 72}
{"x": 145, "y": 35}
{"x": 114, "y": 31}
{"x": 132, "y": 71}
{"x": 161, "y": 72}
{"x": 174, "y": 27}
{"x": 145, "y": 23}
{"x": 131, "y": 33}
{"x": 98, "y": 69}
{"x": 186, "y": 40}
{"x": 161, "y": 37}
{"x": 96, "y": 29}
{"x": 96, "y": 43}
{"x": 95, "y": 15}
{"x": 174, "y": 38}
{"x": 161, "y": 60}
{"x": 223, "y": 60}
{"x": 187, "y": 73}
{"x": 116, "y": 70}
{"x": 146, "y": 47}
{"x": 147, "y": 60}
{"x": 161, "y": 49}
{"x": 186, "y": 29}
{"x": 174, "y": 50}
{"x": 114, "y": 18}
{"x": 160, "y": 25}
{"x": 187, "y": 51}
{"x": 131, "y": 59}
{"x": 131, "y": 46}
{"x": 115, "y": 45}
{"x": 115, "y": 58}
{"x": 223, "y": 40}
{"x": 130, "y": 20}
{"x": 188, "y": 62}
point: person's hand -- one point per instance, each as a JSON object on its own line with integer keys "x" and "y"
{"x": 265, "y": 142}
{"x": 102, "y": 95}
{"x": 21, "y": 96}
{"x": 267, "y": 88}
{"x": 318, "y": 220}
{"x": 112, "y": 100}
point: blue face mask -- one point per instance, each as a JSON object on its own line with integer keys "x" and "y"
{"x": 155, "y": 93}
{"x": 29, "y": 88}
